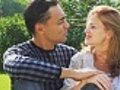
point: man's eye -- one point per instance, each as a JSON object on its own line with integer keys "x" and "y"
{"x": 60, "y": 22}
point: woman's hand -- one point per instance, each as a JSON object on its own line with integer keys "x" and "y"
{"x": 101, "y": 80}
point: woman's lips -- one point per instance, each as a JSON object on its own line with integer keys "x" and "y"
{"x": 88, "y": 37}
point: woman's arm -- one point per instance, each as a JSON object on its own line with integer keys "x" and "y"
{"x": 100, "y": 80}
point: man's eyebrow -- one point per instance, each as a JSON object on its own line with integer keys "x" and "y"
{"x": 63, "y": 17}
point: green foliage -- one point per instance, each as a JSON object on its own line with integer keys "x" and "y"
{"x": 10, "y": 7}
{"x": 12, "y": 31}
{"x": 24, "y": 3}
{"x": 76, "y": 14}
{"x": 5, "y": 82}
{"x": 77, "y": 11}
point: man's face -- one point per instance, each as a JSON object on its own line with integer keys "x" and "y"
{"x": 55, "y": 29}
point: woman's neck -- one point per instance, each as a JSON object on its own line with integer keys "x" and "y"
{"x": 100, "y": 58}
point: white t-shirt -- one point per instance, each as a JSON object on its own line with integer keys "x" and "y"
{"x": 85, "y": 60}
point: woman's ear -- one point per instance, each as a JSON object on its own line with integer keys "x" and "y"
{"x": 109, "y": 34}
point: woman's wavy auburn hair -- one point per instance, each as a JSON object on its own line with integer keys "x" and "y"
{"x": 110, "y": 17}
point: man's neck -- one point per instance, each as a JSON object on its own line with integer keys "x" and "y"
{"x": 43, "y": 44}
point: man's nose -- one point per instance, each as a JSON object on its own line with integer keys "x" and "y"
{"x": 66, "y": 25}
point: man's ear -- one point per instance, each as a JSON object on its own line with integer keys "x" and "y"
{"x": 39, "y": 28}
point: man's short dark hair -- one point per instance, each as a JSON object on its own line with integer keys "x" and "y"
{"x": 37, "y": 11}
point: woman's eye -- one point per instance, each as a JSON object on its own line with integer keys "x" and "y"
{"x": 92, "y": 27}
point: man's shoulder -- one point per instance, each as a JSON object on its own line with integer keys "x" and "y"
{"x": 21, "y": 45}
{"x": 19, "y": 48}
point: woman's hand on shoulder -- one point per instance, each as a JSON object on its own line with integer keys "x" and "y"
{"x": 101, "y": 80}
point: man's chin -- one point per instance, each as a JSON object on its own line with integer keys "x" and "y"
{"x": 63, "y": 41}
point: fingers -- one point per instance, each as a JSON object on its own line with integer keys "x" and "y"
{"x": 102, "y": 81}
{"x": 99, "y": 85}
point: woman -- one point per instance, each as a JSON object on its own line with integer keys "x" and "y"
{"x": 103, "y": 38}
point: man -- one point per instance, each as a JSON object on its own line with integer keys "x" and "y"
{"x": 41, "y": 63}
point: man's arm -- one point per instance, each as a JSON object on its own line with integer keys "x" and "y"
{"x": 19, "y": 66}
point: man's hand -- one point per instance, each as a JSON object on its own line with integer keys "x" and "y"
{"x": 85, "y": 73}
{"x": 78, "y": 74}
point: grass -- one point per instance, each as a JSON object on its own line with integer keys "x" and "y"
{"x": 4, "y": 82}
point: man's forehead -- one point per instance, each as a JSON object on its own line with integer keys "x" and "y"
{"x": 57, "y": 10}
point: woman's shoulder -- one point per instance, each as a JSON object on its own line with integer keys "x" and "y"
{"x": 83, "y": 53}
{"x": 85, "y": 56}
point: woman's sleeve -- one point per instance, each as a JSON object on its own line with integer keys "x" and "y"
{"x": 76, "y": 63}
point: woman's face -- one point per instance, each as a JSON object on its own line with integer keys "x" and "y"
{"x": 95, "y": 33}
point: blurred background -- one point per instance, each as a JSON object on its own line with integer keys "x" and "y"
{"x": 13, "y": 30}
